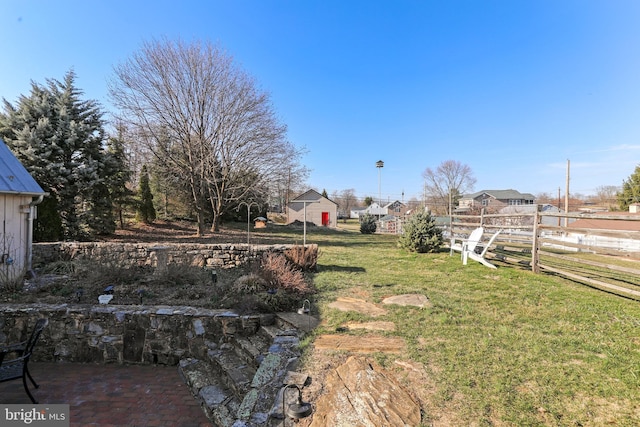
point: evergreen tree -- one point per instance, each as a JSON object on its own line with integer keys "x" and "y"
{"x": 118, "y": 176}
{"x": 98, "y": 214}
{"x": 630, "y": 190}
{"x": 324, "y": 194}
{"x": 368, "y": 224}
{"x": 421, "y": 234}
{"x": 58, "y": 137}
{"x": 48, "y": 226}
{"x": 146, "y": 211}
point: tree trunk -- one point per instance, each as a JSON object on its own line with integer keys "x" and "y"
{"x": 201, "y": 226}
{"x": 215, "y": 225}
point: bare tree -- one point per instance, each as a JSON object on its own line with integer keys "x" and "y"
{"x": 289, "y": 183}
{"x": 205, "y": 120}
{"x": 349, "y": 199}
{"x": 548, "y": 198}
{"x": 451, "y": 179}
{"x": 346, "y": 200}
{"x": 606, "y": 196}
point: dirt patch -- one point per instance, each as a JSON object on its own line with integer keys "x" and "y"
{"x": 185, "y": 232}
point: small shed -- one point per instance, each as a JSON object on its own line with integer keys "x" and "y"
{"x": 318, "y": 209}
{"x": 260, "y": 222}
{"x": 19, "y": 195}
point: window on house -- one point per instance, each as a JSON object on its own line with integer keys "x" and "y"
{"x": 514, "y": 202}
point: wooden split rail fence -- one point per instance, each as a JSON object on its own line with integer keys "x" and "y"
{"x": 603, "y": 253}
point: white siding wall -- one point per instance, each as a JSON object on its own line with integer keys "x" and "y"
{"x": 13, "y": 235}
{"x": 314, "y": 212}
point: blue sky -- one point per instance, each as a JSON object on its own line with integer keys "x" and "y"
{"x": 512, "y": 88}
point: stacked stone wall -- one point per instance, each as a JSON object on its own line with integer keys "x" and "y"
{"x": 122, "y": 334}
{"x": 141, "y": 254}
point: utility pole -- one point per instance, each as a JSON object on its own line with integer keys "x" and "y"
{"x": 559, "y": 206}
{"x": 424, "y": 196}
{"x": 566, "y": 195}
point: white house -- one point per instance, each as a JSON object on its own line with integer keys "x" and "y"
{"x": 357, "y": 213}
{"x": 376, "y": 210}
{"x": 19, "y": 195}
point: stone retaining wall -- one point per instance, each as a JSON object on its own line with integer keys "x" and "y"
{"x": 122, "y": 334}
{"x": 141, "y": 254}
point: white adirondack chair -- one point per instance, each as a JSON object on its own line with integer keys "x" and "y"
{"x": 465, "y": 245}
{"x": 480, "y": 256}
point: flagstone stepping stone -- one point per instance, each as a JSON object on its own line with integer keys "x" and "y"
{"x": 360, "y": 393}
{"x": 371, "y": 326}
{"x": 360, "y": 344}
{"x": 415, "y": 300}
{"x": 358, "y": 305}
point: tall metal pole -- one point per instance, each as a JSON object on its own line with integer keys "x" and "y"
{"x": 304, "y": 227}
{"x": 566, "y": 195}
{"x": 379, "y": 165}
{"x": 248, "y": 205}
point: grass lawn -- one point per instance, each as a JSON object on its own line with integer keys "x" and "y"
{"x": 500, "y": 347}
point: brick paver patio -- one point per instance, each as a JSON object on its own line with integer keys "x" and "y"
{"x": 112, "y": 395}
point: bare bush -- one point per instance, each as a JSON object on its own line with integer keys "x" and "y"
{"x": 279, "y": 273}
{"x": 303, "y": 258}
{"x": 249, "y": 284}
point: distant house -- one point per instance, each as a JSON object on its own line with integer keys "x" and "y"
{"x": 19, "y": 195}
{"x": 495, "y": 199}
{"x": 357, "y": 213}
{"x": 396, "y": 208}
{"x": 319, "y": 210}
{"x": 376, "y": 210}
{"x": 514, "y": 220}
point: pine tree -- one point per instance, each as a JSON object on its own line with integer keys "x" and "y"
{"x": 630, "y": 190}
{"x": 421, "y": 234}
{"x": 368, "y": 224}
{"x": 58, "y": 137}
{"x": 117, "y": 177}
{"x": 146, "y": 211}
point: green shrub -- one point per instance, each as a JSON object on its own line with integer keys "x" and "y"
{"x": 420, "y": 234}
{"x": 368, "y": 224}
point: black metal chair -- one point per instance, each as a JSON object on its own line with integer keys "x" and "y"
{"x": 13, "y": 369}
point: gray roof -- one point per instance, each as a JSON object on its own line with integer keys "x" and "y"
{"x": 309, "y": 196}
{"x": 502, "y": 194}
{"x": 14, "y": 178}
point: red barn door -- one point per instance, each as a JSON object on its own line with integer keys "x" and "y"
{"x": 325, "y": 218}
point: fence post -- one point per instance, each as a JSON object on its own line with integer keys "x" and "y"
{"x": 536, "y": 244}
